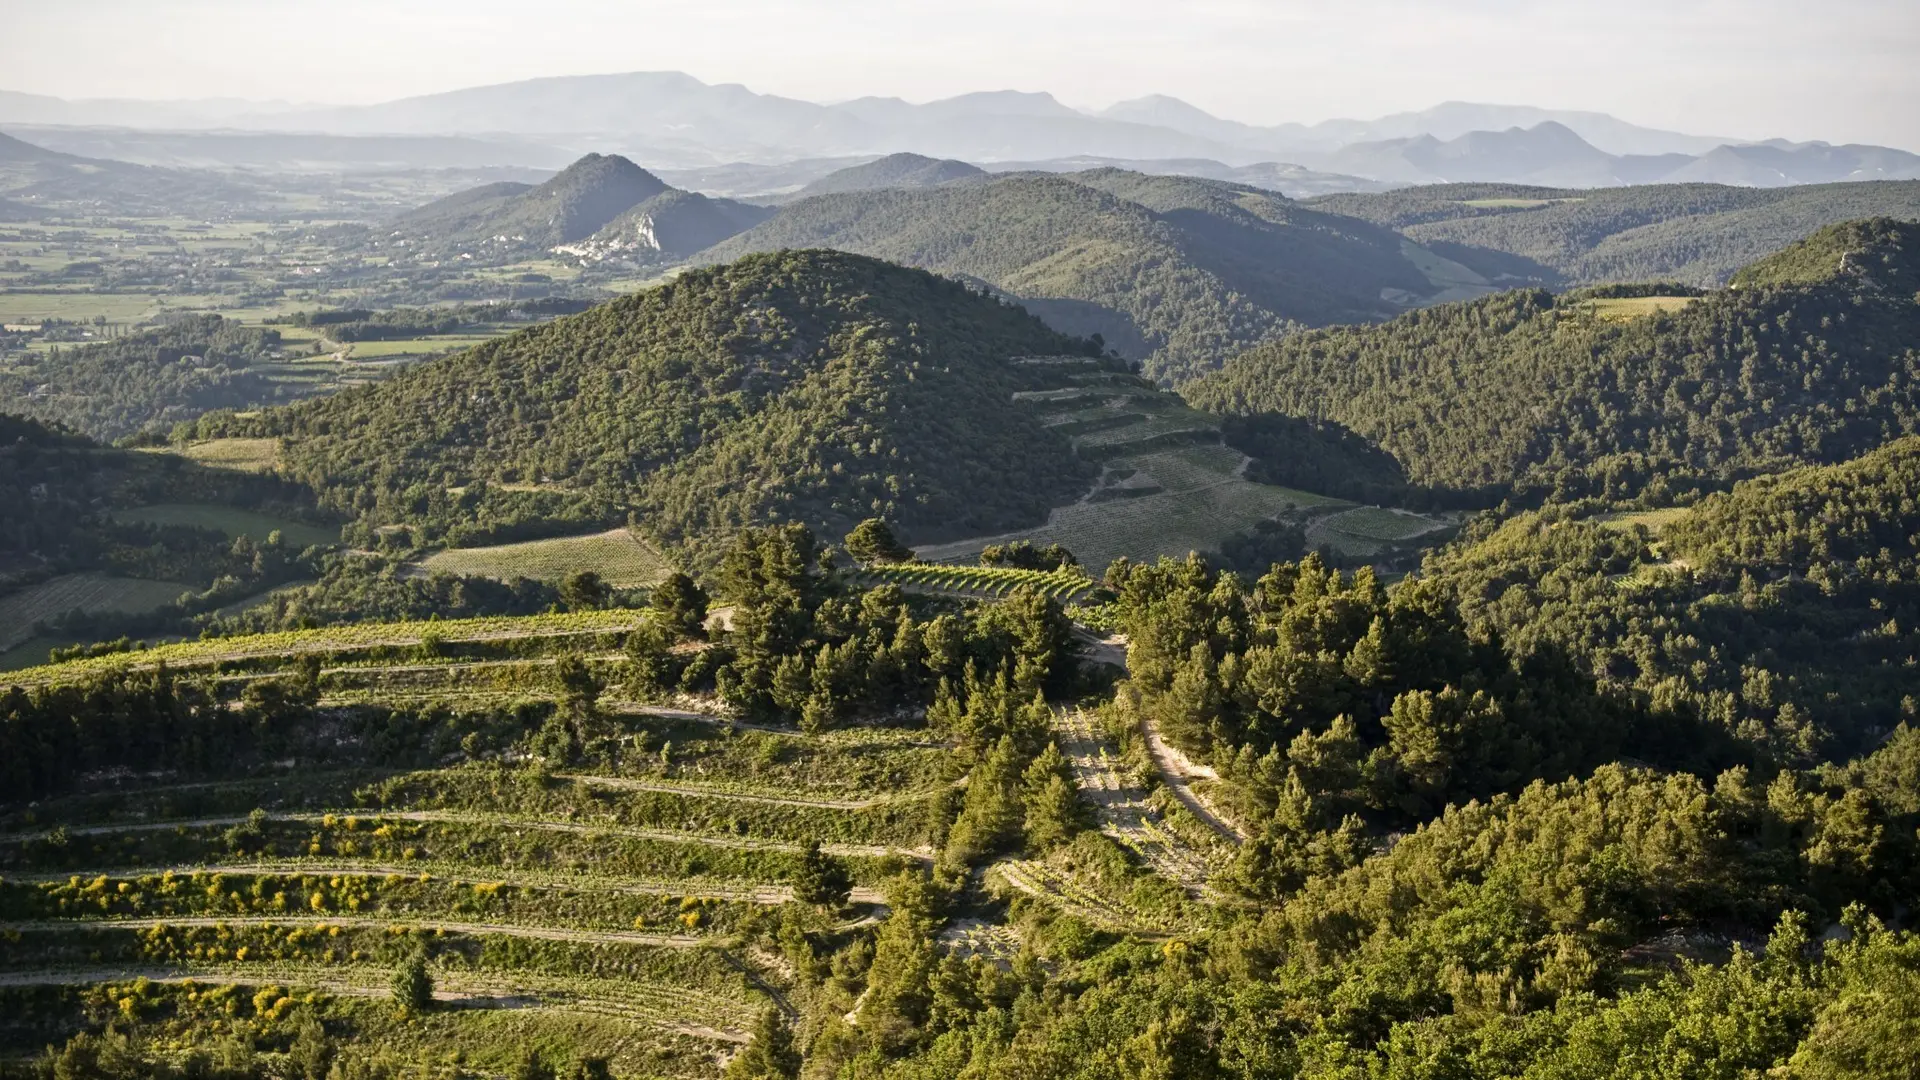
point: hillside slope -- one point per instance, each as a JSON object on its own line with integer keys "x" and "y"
{"x": 1782, "y": 611}
{"x": 1815, "y": 361}
{"x": 1695, "y": 233}
{"x": 892, "y": 171}
{"x": 811, "y": 386}
{"x": 508, "y": 217}
{"x": 669, "y": 225}
{"x": 1174, "y": 271}
{"x": 48, "y": 178}
{"x": 154, "y": 378}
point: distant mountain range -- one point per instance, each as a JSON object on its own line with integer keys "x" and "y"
{"x": 1553, "y": 154}
{"x": 32, "y": 177}
{"x": 675, "y": 121}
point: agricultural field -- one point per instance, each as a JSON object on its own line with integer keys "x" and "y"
{"x": 233, "y": 521}
{"x": 1168, "y": 486}
{"x": 28, "y": 653}
{"x": 20, "y": 610}
{"x": 20, "y": 306}
{"x": 1365, "y": 530}
{"x": 1653, "y": 520}
{"x": 412, "y": 347}
{"x": 1190, "y": 498}
{"x": 240, "y": 455}
{"x": 620, "y": 558}
{"x": 1623, "y": 308}
{"x": 1454, "y": 281}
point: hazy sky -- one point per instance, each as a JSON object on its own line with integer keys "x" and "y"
{"x": 1841, "y": 70}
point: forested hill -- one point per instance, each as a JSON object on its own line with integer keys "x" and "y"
{"x": 1174, "y": 271}
{"x": 571, "y": 206}
{"x": 797, "y": 386}
{"x": 114, "y": 388}
{"x": 1696, "y": 233}
{"x": 1784, "y": 613}
{"x": 892, "y": 171}
{"x": 601, "y": 206}
{"x": 1814, "y": 358}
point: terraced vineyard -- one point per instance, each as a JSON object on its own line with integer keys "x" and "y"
{"x": 619, "y": 557}
{"x": 629, "y": 908}
{"x": 1169, "y": 485}
{"x": 86, "y": 592}
{"x": 350, "y": 643}
{"x": 1151, "y": 827}
{"x": 981, "y": 581}
{"x": 1166, "y": 501}
{"x": 1365, "y": 530}
{"x": 575, "y": 856}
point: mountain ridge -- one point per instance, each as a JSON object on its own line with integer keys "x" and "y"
{"x": 1526, "y": 394}
{"x": 676, "y": 120}
{"x": 1173, "y": 271}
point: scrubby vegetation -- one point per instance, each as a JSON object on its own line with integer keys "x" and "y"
{"x": 1623, "y": 781}
{"x": 1173, "y": 271}
{"x": 1811, "y": 360}
{"x": 802, "y": 386}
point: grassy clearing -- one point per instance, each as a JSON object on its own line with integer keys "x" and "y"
{"x": 381, "y": 350}
{"x": 346, "y": 637}
{"x": 1654, "y": 520}
{"x": 29, "y": 653}
{"x": 1623, "y": 308}
{"x": 1513, "y": 204}
{"x": 616, "y": 555}
{"x": 241, "y": 455}
{"x": 1443, "y": 273}
{"x": 86, "y": 592}
{"x": 234, "y": 522}
{"x": 1203, "y": 501}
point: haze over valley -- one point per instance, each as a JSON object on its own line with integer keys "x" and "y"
{"x": 853, "y": 567}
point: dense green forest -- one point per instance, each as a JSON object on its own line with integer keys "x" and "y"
{"x": 805, "y": 386}
{"x": 62, "y": 490}
{"x": 1459, "y": 857}
{"x": 1696, "y": 233}
{"x": 1175, "y": 271}
{"x": 1785, "y": 612}
{"x": 155, "y": 378}
{"x": 1622, "y": 782}
{"x": 1813, "y": 358}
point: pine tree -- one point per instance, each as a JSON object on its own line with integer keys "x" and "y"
{"x": 822, "y": 880}
{"x": 770, "y": 1056}
{"x": 680, "y": 606}
{"x": 1054, "y": 812}
{"x": 584, "y": 591}
{"x": 872, "y": 541}
{"x": 412, "y": 984}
